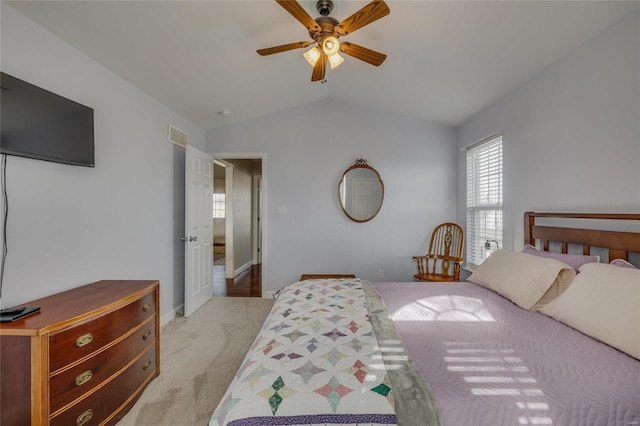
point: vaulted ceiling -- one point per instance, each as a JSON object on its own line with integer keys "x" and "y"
{"x": 447, "y": 60}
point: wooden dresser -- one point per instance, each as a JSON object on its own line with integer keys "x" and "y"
{"x": 84, "y": 358}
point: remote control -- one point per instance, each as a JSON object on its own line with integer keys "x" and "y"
{"x": 13, "y": 311}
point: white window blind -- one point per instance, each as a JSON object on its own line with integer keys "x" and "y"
{"x": 218, "y": 205}
{"x": 484, "y": 200}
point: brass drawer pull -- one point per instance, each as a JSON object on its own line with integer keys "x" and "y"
{"x": 84, "y": 417}
{"x": 146, "y": 307}
{"x": 147, "y": 334}
{"x": 85, "y": 339}
{"x": 84, "y": 377}
{"x": 146, "y": 364}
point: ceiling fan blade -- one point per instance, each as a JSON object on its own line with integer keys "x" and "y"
{"x": 372, "y": 12}
{"x": 319, "y": 68}
{"x": 362, "y": 53}
{"x": 283, "y": 48}
{"x": 298, "y": 12}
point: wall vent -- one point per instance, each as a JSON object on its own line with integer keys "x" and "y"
{"x": 177, "y": 136}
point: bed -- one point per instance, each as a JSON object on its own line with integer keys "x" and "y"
{"x": 546, "y": 335}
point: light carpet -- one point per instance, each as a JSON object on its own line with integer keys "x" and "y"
{"x": 199, "y": 357}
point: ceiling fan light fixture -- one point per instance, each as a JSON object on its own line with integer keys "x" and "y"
{"x": 330, "y": 46}
{"x": 312, "y": 55}
{"x": 335, "y": 60}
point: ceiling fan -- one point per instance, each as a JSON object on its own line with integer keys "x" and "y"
{"x": 325, "y": 31}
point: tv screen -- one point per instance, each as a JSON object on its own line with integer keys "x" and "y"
{"x": 39, "y": 124}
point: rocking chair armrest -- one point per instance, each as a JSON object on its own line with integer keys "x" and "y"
{"x": 443, "y": 257}
{"x": 437, "y": 256}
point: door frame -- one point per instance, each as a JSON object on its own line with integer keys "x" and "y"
{"x": 263, "y": 219}
{"x": 228, "y": 216}
{"x": 256, "y": 219}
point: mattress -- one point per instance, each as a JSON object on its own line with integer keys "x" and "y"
{"x": 489, "y": 362}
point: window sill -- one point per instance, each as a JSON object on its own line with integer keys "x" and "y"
{"x": 469, "y": 268}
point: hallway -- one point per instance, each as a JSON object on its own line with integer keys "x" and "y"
{"x": 247, "y": 284}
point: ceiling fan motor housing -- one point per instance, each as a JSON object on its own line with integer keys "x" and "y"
{"x": 327, "y": 28}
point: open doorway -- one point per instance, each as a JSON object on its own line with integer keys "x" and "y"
{"x": 238, "y": 204}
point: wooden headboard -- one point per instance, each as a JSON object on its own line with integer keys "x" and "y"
{"x": 619, "y": 244}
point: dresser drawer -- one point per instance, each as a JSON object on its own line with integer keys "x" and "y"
{"x": 77, "y": 342}
{"x": 96, "y": 407}
{"x": 76, "y": 381}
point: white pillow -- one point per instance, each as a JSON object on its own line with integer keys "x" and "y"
{"x": 603, "y": 302}
{"x": 622, "y": 264}
{"x": 527, "y": 280}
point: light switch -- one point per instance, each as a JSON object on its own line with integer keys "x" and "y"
{"x": 282, "y": 209}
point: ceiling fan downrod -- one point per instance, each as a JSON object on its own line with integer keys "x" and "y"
{"x": 324, "y": 7}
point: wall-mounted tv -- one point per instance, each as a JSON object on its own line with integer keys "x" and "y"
{"x": 39, "y": 124}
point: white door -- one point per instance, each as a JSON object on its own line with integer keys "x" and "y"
{"x": 198, "y": 253}
{"x": 367, "y": 195}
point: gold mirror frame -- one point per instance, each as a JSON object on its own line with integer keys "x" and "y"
{"x": 360, "y": 171}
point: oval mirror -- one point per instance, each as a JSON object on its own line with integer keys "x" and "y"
{"x": 361, "y": 192}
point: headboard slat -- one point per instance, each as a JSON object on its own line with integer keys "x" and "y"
{"x": 618, "y": 254}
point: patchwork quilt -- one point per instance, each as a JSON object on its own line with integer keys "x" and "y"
{"x": 327, "y": 354}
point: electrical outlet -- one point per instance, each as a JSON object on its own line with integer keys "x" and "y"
{"x": 380, "y": 273}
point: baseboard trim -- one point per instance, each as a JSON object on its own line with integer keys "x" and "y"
{"x": 166, "y": 318}
{"x": 242, "y": 269}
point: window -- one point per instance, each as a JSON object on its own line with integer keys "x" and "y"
{"x": 218, "y": 206}
{"x": 484, "y": 199}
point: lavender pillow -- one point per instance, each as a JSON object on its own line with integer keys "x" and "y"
{"x": 573, "y": 260}
{"x": 623, "y": 264}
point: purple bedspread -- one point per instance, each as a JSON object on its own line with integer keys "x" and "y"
{"x": 490, "y": 362}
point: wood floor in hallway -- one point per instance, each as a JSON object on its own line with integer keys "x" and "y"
{"x": 247, "y": 284}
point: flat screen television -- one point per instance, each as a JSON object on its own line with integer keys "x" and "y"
{"x": 39, "y": 124}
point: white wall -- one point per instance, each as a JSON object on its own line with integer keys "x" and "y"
{"x": 123, "y": 219}
{"x": 307, "y": 150}
{"x": 571, "y": 134}
{"x": 571, "y": 142}
{"x": 242, "y": 196}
